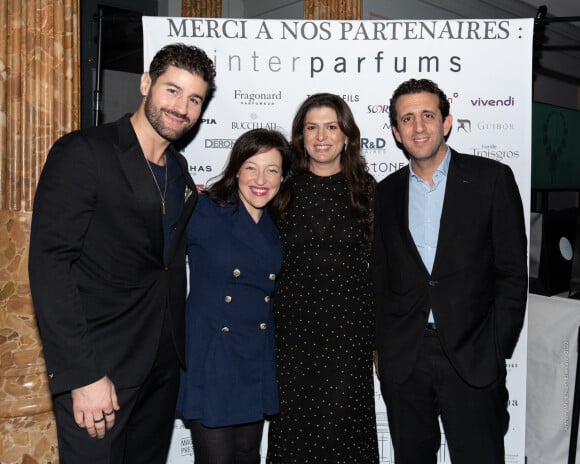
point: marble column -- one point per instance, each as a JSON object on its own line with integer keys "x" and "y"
{"x": 201, "y": 8}
{"x": 39, "y": 101}
{"x": 333, "y": 9}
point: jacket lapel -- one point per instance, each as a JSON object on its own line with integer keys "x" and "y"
{"x": 246, "y": 230}
{"x": 403, "y": 216}
{"x": 190, "y": 202}
{"x": 138, "y": 175}
{"x": 452, "y": 204}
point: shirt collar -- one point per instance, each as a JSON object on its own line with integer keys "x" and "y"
{"x": 441, "y": 170}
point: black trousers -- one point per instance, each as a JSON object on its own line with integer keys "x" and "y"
{"x": 143, "y": 426}
{"x": 474, "y": 420}
{"x": 235, "y": 444}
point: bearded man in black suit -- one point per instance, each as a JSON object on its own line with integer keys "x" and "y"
{"x": 107, "y": 268}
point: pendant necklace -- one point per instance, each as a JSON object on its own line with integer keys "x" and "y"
{"x": 161, "y": 195}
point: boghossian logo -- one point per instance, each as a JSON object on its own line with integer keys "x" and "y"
{"x": 257, "y": 98}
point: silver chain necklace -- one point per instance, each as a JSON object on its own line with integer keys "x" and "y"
{"x": 164, "y": 194}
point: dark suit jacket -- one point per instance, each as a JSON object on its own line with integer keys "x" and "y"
{"x": 98, "y": 280}
{"x": 478, "y": 287}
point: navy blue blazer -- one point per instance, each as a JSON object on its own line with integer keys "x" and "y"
{"x": 230, "y": 355}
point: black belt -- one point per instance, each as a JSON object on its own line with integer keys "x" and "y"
{"x": 431, "y": 326}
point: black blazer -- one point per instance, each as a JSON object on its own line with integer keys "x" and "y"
{"x": 478, "y": 287}
{"x": 98, "y": 280}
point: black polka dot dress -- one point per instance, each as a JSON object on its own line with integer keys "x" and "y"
{"x": 324, "y": 332}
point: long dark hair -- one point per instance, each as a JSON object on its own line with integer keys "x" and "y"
{"x": 361, "y": 185}
{"x": 224, "y": 190}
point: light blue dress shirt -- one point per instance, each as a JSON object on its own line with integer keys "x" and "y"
{"x": 425, "y": 206}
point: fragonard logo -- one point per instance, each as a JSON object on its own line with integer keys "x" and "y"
{"x": 257, "y": 98}
{"x": 509, "y": 101}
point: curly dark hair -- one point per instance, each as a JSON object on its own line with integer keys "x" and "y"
{"x": 360, "y": 183}
{"x": 186, "y": 57}
{"x": 418, "y": 86}
{"x": 224, "y": 190}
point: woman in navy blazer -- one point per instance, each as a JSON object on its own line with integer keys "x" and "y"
{"x": 234, "y": 256}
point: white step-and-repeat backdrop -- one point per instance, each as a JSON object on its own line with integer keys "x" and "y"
{"x": 266, "y": 68}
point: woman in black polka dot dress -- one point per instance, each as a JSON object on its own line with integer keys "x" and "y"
{"x": 323, "y": 306}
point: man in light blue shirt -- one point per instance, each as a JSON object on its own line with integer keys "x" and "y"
{"x": 450, "y": 274}
{"x": 425, "y": 205}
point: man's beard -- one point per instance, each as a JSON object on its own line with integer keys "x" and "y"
{"x": 155, "y": 117}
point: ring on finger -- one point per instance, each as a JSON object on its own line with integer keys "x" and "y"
{"x": 96, "y": 421}
{"x": 109, "y": 413}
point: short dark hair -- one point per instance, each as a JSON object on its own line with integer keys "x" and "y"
{"x": 250, "y": 143}
{"x": 188, "y": 57}
{"x": 418, "y": 86}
